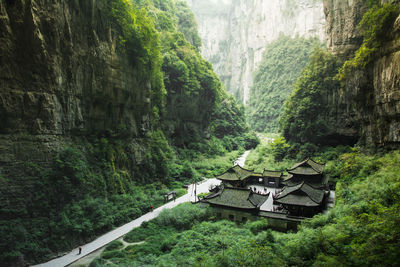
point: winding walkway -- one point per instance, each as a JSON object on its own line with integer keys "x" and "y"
{"x": 124, "y": 229}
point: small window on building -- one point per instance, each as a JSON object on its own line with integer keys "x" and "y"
{"x": 244, "y": 219}
{"x": 219, "y": 214}
{"x": 231, "y": 217}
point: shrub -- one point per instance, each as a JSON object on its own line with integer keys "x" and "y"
{"x": 113, "y": 254}
{"x": 183, "y": 216}
{"x": 279, "y": 148}
{"x": 257, "y": 226}
{"x": 114, "y": 245}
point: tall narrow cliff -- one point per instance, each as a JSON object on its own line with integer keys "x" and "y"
{"x": 367, "y": 103}
{"x": 235, "y": 33}
{"x": 351, "y": 94}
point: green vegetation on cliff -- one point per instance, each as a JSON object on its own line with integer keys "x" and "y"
{"x": 195, "y": 98}
{"x": 186, "y": 127}
{"x": 279, "y": 69}
{"x": 375, "y": 26}
{"x": 305, "y": 112}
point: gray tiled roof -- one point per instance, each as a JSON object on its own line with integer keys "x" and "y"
{"x": 236, "y": 173}
{"x": 301, "y": 194}
{"x": 237, "y": 198}
{"x": 307, "y": 167}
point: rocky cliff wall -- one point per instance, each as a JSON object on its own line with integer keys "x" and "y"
{"x": 61, "y": 72}
{"x": 367, "y": 106}
{"x": 235, "y": 32}
{"x": 61, "y": 77}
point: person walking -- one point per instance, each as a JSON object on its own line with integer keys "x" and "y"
{"x": 152, "y": 207}
{"x": 80, "y": 251}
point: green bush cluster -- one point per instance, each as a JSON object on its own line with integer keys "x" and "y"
{"x": 83, "y": 195}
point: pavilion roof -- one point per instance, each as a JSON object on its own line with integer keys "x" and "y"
{"x": 307, "y": 167}
{"x": 301, "y": 194}
{"x": 236, "y": 173}
{"x": 242, "y": 198}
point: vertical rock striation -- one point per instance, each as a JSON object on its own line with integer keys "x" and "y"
{"x": 367, "y": 106}
{"x": 61, "y": 77}
{"x": 61, "y": 73}
{"x": 235, "y": 33}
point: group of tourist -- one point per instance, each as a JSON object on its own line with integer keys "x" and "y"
{"x": 254, "y": 189}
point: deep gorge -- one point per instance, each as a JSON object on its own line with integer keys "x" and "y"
{"x": 105, "y": 105}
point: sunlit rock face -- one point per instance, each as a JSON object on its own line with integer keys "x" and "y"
{"x": 235, "y": 33}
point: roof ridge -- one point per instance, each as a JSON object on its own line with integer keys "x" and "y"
{"x": 223, "y": 173}
{"x": 316, "y": 162}
{"x": 310, "y": 196}
{"x": 296, "y": 165}
{"x": 315, "y": 169}
{"x": 270, "y": 171}
{"x": 242, "y": 168}
{"x": 249, "y": 199}
{"x": 291, "y": 189}
{"x": 238, "y": 188}
{"x": 311, "y": 185}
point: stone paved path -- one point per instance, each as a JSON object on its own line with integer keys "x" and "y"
{"x": 124, "y": 229}
{"x": 240, "y": 161}
{"x": 120, "y": 231}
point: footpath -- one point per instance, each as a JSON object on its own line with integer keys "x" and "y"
{"x": 124, "y": 229}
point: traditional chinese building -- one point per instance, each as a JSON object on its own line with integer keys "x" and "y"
{"x": 308, "y": 171}
{"x": 304, "y": 194}
{"x": 301, "y": 200}
{"x": 238, "y": 176}
{"x": 272, "y": 178}
{"x": 236, "y": 204}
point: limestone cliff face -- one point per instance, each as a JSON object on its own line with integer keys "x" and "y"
{"x": 60, "y": 71}
{"x": 367, "y": 106}
{"x": 235, "y": 32}
{"x": 342, "y": 18}
{"x": 61, "y": 76}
